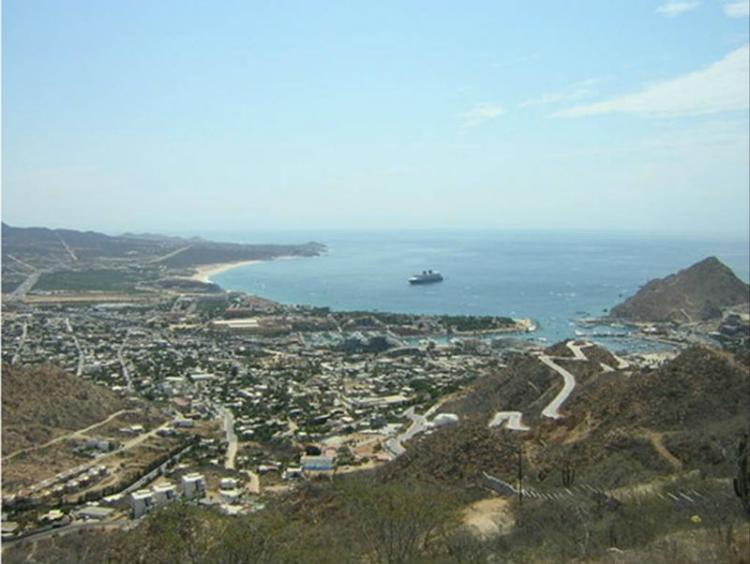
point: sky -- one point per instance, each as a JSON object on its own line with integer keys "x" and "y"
{"x": 184, "y": 115}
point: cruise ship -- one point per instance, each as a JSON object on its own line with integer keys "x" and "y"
{"x": 426, "y": 277}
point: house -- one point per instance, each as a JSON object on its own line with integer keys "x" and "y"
{"x": 228, "y": 484}
{"x": 94, "y": 512}
{"x": 292, "y": 473}
{"x": 141, "y": 502}
{"x": 320, "y": 463}
{"x": 9, "y": 529}
{"x": 164, "y": 493}
{"x": 193, "y": 486}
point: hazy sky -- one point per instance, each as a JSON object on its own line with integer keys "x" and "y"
{"x": 169, "y": 115}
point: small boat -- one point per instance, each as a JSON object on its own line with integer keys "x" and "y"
{"x": 426, "y": 277}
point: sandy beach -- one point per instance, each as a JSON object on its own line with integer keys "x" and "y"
{"x": 205, "y": 272}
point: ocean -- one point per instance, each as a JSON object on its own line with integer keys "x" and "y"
{"x": 551, "y": 277}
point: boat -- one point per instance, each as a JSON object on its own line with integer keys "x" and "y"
{"x": 426, "y": 277}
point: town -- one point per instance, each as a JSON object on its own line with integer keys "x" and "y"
{"x": 228, "y": 397}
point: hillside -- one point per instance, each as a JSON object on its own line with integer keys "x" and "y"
{"x": 695, "y": 294}
{"x": 618, "y": 428}
{"x": 686, "y": 415}
{"x": 40, "y": 403}
{"x": 39, "y": 247}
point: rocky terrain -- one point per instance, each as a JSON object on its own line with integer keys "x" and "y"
{"x": 620, "y": 427}
{"x": 695, "y": 294}
{"x": 42, "y": 402}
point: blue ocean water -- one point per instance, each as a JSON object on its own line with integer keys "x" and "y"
{"x": 552, "y": 277}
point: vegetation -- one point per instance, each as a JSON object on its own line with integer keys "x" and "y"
{"x": 41, "y": 402}
{"x": 358, "y": 519}
{"x": 92, "y": 280}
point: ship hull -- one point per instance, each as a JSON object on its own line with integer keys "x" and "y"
{"x": 418, "y": 281}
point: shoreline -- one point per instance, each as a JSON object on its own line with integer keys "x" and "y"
{"x": 205, "y": 272}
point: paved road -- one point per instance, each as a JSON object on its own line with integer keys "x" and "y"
{"x": 512, "y": 417}
{"x": 123, "y": 365}
{"x": 24, "y": 334}
{"x": 569, "y": 383}
{"x": 553, "y": 408}
{"x": 81, "y": 355}
{"x": 25, "y": 287}
{"x": 419, "y": 423}
{"x": 576, "y": 349}
{"x": 232, "y": 445}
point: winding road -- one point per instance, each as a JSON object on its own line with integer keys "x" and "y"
{"x": 569, "y": 383}
{"x": 552, "y": 409}
{"x": 512, "y": 417}
{"x": 395, "y": 446}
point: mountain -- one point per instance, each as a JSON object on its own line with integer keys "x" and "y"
{"x": 25, "y": 249}
{"x": 695, "y": 294}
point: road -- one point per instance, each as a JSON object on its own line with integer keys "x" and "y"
{"x": 569, "y": 383}
{"x": 169, "y": 255}
{"x": 117, "y": 521}
{"x": 25, "y": 286}
{"x": 576, "y": 349}
{"x": 68, "y": 249}
{"x": 74, "y": 435}
{"x": 24, "y": 334}
{"x": 232, "y": 445}
{"x": 512, "y": 417}
{"x": 132, "y": 443}
{"x": 254, "y": 485}
{"x": 552, "y": 409}
{"x": 395, "y": 446}
{"x": 123, "y": 365}
{"x": 81, "y": 355}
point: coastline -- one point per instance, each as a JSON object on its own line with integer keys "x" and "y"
{"x": 205, "y": 272}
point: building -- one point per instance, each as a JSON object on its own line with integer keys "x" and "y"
{"x": 164, "y": 493}
{"x": 320, "y": 463}
{"x": 292, "y": 473}
{"x": 94, "y": 512}
{"x": 141, "y": 502}
{"x": 193, "y": 486}
{"x": 228, "y": 484}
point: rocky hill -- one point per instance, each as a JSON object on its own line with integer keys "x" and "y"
{"x": 42, "y": 402}
{"x": 695, "y": 294}
{"x": 39, "y": 247}
{"x": 619, "y": 428}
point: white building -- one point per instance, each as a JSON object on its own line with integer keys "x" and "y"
{"x": 228, "y": 484}
{"x": 164, "y": 493}
{"x": 141, "y": 502}
{"x": 193, "y": 486}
